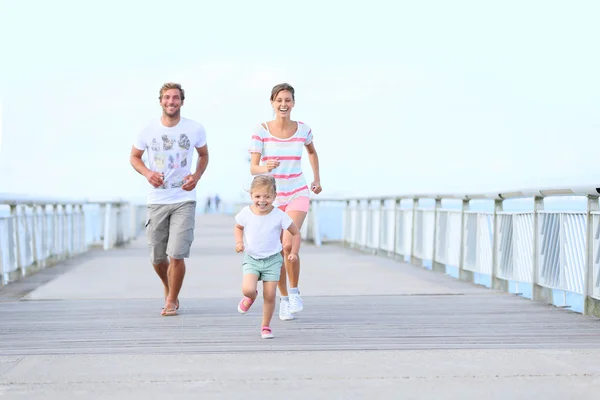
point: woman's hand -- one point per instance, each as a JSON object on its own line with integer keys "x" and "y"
{"x": 316, "y": 187}
{"x": 272, "y": 164}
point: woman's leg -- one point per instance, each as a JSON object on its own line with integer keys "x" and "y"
{"x": 293, "y": 268}
{"x": 297, "y": 209}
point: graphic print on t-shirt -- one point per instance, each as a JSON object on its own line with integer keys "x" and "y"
{"x": 167, "y": 157}
{"x": 184, "y": 142}
{"x": 159, "y": 161}
{"x": 167, "y": 142}
{"x": 171, "y": 152}
{"x": 155, "y": 146}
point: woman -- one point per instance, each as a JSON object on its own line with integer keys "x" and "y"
{"x": 276, "y": 149}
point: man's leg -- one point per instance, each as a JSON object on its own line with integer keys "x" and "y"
{"x": 181, "y": 236}
{"x": 161, "y": 271}
{"x": 157, "y": 232}
{"x": 176, "y": 273}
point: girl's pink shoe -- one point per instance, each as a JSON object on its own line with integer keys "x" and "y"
{"x": 245, "y": 304}
{"x": 266, "y": 333}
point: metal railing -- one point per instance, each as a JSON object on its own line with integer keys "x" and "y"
{"x": 543, "y": 249}
{"x": 37, "y": 233}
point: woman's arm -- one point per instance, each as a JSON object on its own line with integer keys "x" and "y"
{"x": 313, "y": 158}
{"x": 256, "y": 169}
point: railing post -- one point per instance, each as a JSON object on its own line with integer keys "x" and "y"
{"x": 73, "y": 236}
{"x": 347, "y": 222}
{"x": 65, "y": 232}
{"x": 34, "y": 233}
{"x": 17, "y": 240}
{"x": 436, "y": 266}
{"x": 413, "y": 231}
{"x": 12, "y": 263}
{"x": 369, "y": 227}
{"x": 497, "y": 283}
{"x": 82, "y": 233}
{"x": 26, "y": 241}
{"x": 133, "y": 214}
{"x": 3, "y": 274}
{"x": 396, "y": 226}
{"x": 463, "y": 274}
{"x": 119, "y": 224}
{"x": 55, "y": 238}
{"x": 380, "y": 230}
{"x": 315, "y": 223}
{"x": 591, "y": 306}
{"x": 537, "y": 292}
{"x": 44, "y": 234}
{"x": 107, "y": 227}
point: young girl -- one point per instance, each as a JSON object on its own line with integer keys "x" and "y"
{"x": 276, "y": 150}
{"x": 258, "y": 233}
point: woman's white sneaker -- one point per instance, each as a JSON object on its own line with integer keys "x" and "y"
{"x": 284, "y": 311}
{"x": 296, "y": 304}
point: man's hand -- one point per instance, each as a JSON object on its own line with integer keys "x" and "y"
{"x": 156, "y": 179}
{"x": 292, "y": 257}
{"x": 239, "y": 247}
{"x": 190, "y": 182}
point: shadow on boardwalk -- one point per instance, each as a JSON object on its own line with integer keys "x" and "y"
{"x": 371, "y": 327}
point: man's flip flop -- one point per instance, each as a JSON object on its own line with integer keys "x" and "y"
{"x": 176, "y": 305}
{"x": 168, "y": 313}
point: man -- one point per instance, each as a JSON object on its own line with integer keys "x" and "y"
{"x": 171, "y": 202}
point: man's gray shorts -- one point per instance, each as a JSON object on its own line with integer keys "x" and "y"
{"x": 170, "y": 230}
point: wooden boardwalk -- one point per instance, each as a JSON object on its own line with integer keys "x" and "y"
{"x": 371, "y": 327}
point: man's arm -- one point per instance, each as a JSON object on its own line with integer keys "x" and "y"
{"x": 135, "y": 158}
{"x": 192, "y": 180}
{"x": 202, "y": 161}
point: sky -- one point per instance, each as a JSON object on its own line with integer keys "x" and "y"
{"x": 402, "y": 96}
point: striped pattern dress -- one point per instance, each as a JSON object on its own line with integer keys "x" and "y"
{"x": 288, "y": 176}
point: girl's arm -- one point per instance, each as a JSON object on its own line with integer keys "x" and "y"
{"x": 238, "y": 233}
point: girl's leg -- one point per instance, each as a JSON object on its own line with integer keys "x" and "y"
{"x": 249, "y": 283}
{"x": 269, "y": 292}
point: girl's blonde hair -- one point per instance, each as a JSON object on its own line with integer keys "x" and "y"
{"x": 262, "y": 181}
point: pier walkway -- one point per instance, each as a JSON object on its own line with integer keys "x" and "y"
{"x": 90, "y": 327}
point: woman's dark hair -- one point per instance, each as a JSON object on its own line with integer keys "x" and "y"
{"x": 281, "y": 87}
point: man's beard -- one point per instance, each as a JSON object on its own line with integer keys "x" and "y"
{"x": 174, "y": 114}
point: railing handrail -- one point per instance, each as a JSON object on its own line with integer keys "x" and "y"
{"x": 11, "y": 199}
{"x": 546, "y": 249}
{"x": 587, "y": 190}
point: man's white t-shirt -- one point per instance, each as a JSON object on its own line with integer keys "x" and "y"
{"x": 262, "y": 233}
{"x": 170, "y": 151}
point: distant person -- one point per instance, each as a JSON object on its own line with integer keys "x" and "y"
{"x": 207, "y": 205}
{"x": 258, "y": 234}
{"x": 276, "y": 149}
{"x": 217, "y": 203}
{"x": 171, "y": 202}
